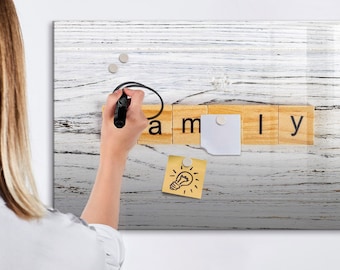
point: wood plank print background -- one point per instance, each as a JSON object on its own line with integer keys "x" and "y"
{"x": 266, "y": 187}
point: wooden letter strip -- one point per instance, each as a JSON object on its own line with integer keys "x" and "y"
{"x": 261, "y": 124}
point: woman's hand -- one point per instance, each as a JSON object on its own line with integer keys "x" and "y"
{"x": 103, "y": 204}
{"x": 119, "y": 141}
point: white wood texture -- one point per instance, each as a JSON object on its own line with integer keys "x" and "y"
{"x": 227, "y": 62}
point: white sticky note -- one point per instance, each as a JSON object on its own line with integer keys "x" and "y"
{"x": 221, "y": 134}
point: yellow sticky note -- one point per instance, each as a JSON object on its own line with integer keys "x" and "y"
{"x": 184, "y": 176}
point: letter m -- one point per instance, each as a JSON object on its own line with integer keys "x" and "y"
{"x": 191, "y": 122}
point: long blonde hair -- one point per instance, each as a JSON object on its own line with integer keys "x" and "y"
{"x": 17, "y": 186}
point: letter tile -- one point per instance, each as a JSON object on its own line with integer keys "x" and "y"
{"x": 260, "y": 124}
{"x": 186, "y": 123}
{"x": 296, "y": 125}
{"x": 159, "y": 130}
{"x": 225, "y": 109}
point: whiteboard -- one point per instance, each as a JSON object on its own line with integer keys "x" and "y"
{"x": 203, "y": 62}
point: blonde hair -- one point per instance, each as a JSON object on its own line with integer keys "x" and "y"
{"x": 17, "y": 186}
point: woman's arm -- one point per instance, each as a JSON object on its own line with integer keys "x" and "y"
{"x": 104, "y": 201}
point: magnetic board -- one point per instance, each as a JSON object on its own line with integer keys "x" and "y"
{"x": 203, "y": 63}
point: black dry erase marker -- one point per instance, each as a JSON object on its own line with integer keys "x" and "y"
{"x": 120, "y": 111}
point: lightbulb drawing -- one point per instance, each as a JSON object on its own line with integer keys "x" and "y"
{"x": 183, "y": 179}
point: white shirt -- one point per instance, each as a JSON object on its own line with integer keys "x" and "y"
{"x": 57, "y": 242}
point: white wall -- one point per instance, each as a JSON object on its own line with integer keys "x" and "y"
{"x": 170, "y": 250}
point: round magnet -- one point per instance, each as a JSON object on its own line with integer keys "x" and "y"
{"x": 113, "y": 68}
{"x": 220, "y": 120}
{"x": 123, "y": 58}
{"x": 187, "y": 162}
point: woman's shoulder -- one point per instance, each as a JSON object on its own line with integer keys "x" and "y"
{"x": 107, "y": 239}
{"x": 54, "y": 217}
{"x": 61, "y": 240}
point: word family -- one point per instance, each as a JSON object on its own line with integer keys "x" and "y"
{"x": 260, "y": 124}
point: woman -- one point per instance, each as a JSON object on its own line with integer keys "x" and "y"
{"x": 32, "y": 237}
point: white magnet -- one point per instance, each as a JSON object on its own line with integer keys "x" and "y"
{"x": 187, "y": 162}
{"x": 123, "y": 58}
{"x": 220, "y": 120}
{"x": 113, "y": 68}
